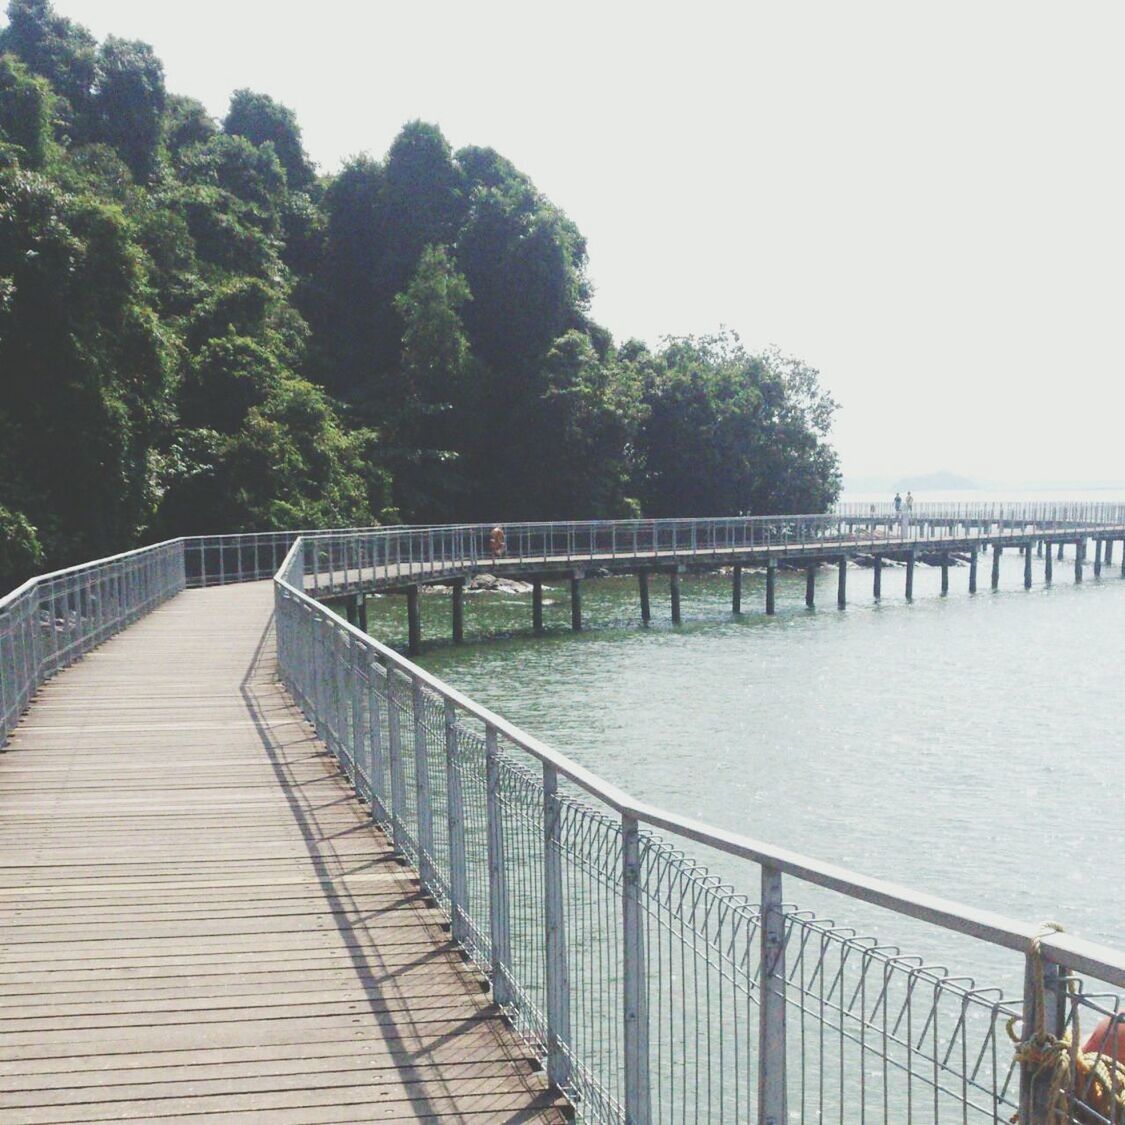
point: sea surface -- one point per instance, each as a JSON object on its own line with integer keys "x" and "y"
{"x": 970, "y": 747}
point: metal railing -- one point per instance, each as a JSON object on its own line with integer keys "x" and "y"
{"x": 50, "y": 621}
{"x": 652, "y": 989}
{"x": 339, "y": 562}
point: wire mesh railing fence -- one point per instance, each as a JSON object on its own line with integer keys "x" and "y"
{"x": 651, "y": 989}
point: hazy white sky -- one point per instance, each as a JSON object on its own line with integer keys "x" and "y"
{"x": 923, "y": 200}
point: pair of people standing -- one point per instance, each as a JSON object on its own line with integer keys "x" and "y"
{"x": 903, "y": 510}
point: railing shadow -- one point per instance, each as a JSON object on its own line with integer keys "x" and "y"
{"x": 348, "y": 916}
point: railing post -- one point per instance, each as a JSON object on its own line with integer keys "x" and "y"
{"x": 458, "y": 863}
{"x": 638, "y": 1102}
{"x": 1035, "y": 1087}
{"x": 771, "y": 1012}
{"x": 398, "y": 782}
{"x": 498, "y": 922}
{"x": 558, "y": 982}
{"x": 377, "y": 771}
{"x": 422, "y": 793}
{"x": 359, "y": 726}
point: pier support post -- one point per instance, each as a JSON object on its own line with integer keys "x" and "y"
{"x": 361, "y": 612}
{"x": 458, "y": 611}
{"x": 1123, "y": 558}
{"x": 1109, "y": 552}
{"x": 1048, "y": 566}
{"x": 736, "y": 590}
{"x": 771, "y": 585}
{"x": 1039, "y": 548}
{"x": 1027, "y": 568}
{"x": 576, "y": 603}
{"x": 877, "y": 583}
{"x": 414, "y": 621}
{"x": 973, "y": 554}
{"x": 537, "y": 605}
{"x": 1060, "y": 548}
{"x": 910, "y": 576}
{"x": 1077, "y": 562}
{"x": 1097, "y": 558}
{"x": 810, "y": 584}
{"x": 997, "y": 551}
{"x": 945, "y": 572}
{"x": 674, "y": 590}
{"x": 842, "y": 583}
{"x": 642, "y": 589}
{"x": 349, "y": 610}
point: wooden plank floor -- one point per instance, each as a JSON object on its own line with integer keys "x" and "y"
{"x": 196, "y": 918}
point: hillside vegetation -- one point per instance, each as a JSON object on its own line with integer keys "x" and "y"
{"x": 200, "y": 333}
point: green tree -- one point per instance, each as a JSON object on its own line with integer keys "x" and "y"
{"x": 261, "y": 120}
{"x": 61, "y": 51}
{"x": 21, "y": 554}
{"x": 128, "y": 103}
{"x": 26, "y": 109}
{"x": 86, "y": 370}
{"x": 186, "y": 123}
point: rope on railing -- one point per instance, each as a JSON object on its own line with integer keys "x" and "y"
{"x": 1094, "y": 1080}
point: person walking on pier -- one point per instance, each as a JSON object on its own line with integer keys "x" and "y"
{"x": 909, "y": 509}
{"x": 497, "y": 543}
{"x": 899, "y": 517}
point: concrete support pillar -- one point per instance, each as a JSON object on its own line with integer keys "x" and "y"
{"x": 842, "y": 582}
{"x": 537, "y": 605}
{"x": 945, "y": 572}
{"x": 973, "y": 554}
{"x": 910, "y": 576}
{"x": 736, "y": 589}
{"x": 1060, "y": 548}
{"x": 674, "y": 590}
{"x": 1027, "y": 568}
{"x": 997, "y": 551}
{"x": 810, "y": 585}
{"x": 1077, "y": 562}
{"x": 1048, "y": 565}
{"x": 576, "y": 603}
{"x": 361, "y": 612}
{"x": 646, "y": 604}
{"x": 1039, "y": 548}
{"x": 1109, "y": 552}
{"x": 1097, "y": 558}
{"x": 771, "y": 585}
{"x": 877, "y": 574}
{"x": 458, "y": 611}
{"x": 414, "y": 621}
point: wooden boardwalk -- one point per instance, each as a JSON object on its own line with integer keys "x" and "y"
{"x": 197, "y": 919}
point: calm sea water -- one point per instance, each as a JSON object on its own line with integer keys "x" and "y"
{"x": 968, "y": 746}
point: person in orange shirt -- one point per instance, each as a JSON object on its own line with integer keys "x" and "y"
{"x": 496, "y": 542}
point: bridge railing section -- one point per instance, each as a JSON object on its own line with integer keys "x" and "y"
{"x": 52, "y": 620}
{"x": 251, "y": 556}
{"x": 342, "y": 561}
{"x": 653, "y": 989}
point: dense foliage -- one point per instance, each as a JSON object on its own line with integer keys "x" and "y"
{"x": 198, "y": 333}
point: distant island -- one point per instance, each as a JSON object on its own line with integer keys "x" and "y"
{"x": 942, "y": 480}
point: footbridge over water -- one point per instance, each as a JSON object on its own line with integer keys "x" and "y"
{"x": 257, "y": 864}
{"x": 345, "y": 568}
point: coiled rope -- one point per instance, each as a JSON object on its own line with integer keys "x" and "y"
{"x": 1094, "y": 1080}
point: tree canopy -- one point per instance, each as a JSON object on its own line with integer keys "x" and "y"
{"x": 200, "y": 333}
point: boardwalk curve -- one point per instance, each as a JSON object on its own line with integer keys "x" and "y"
{"x": 199, "y": 918}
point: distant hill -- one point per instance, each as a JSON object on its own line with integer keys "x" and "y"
{"x": 942, "y": 480}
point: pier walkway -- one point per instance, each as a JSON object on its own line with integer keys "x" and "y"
{"x": 363, "y": 896}
{"x": 198, "y": 917}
